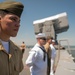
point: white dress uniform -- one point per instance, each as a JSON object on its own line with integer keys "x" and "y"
{"x": 53, "y": 54}
{"x": 35, "y": 61}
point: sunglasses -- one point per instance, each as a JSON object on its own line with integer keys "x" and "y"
{"x": 43, "y": 38}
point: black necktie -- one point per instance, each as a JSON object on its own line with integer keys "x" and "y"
{"x": 42, "y": 48}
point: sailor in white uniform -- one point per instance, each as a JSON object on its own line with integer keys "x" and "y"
{"x": 53, "y": 55}
{"x": 37, "y": 59}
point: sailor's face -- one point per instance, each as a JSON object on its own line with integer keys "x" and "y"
{"x": 43, "y": 41}
{"x": 9, "y": 25}
{"x": 50, "y": 41}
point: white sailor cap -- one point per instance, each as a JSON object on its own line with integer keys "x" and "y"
{"x": 41, "y": 35}
{"x": 53, "y": 40}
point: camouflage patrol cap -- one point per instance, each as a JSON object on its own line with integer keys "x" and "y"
{"x": 12, "y": 7}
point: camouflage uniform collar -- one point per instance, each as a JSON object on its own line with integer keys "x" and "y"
{"x": 1, "y": 46}
{"x": 12, "y": 47}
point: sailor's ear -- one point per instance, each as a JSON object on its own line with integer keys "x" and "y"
{"x": 0, "y": 20}
{"x": 0, "y": 17}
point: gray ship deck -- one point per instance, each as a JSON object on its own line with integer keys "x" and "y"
{"x": 66, "y": 66}
{"x": 25, "y": 70}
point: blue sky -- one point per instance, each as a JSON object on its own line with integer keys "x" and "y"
{"x": 39, "y": 9}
